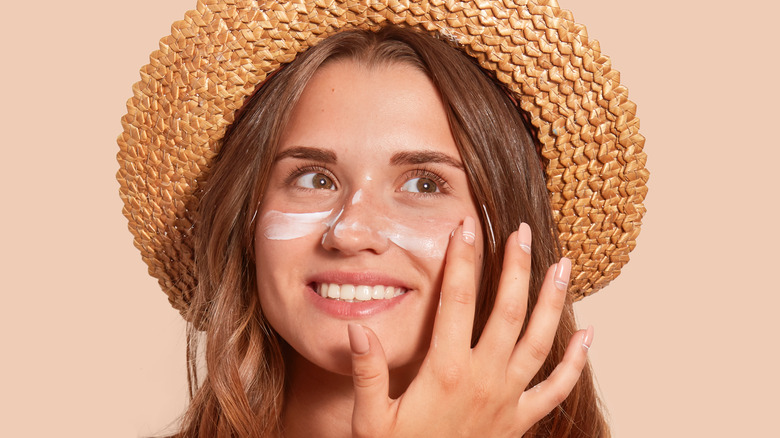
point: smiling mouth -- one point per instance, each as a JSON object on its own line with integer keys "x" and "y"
{"x": 357, "y": 293}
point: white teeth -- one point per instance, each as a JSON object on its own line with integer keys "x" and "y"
{"x": 347, "y": 292}
{"x": 333, "y": 291}
{"x": 351, "y": 293}
{"x": 362, "y": 293}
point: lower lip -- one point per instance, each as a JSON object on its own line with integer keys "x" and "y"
{"x": 356, "y": 309}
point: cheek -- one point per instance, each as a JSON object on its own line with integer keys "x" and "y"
{"x": 428, "y": 240}
{"x": 281, "y": 240}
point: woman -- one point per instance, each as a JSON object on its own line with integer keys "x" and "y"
{"x": 369, "y": 201}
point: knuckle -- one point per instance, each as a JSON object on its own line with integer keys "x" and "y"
{"x": 537, "y": 348}
{"x": 450, "y": 377}
{"x": 461, "y": 295}
{"x": 513, "y": 313}
{"x": 365, "y": 376}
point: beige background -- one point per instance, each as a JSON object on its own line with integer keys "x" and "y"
{"x": 685, "y": 339}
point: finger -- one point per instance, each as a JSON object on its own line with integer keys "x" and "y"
{"x": 506, "y": 320}
{"x": 454, "y": 318}
{"x": 371, "y": 381}
{"x": 533, "y": 348}
{"x": 538, "y": 401}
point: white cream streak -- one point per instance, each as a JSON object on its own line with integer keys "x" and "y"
{"x": 278, "y": 225}
{"x": 429, "y": 243}
{"x": 356, "y": 198}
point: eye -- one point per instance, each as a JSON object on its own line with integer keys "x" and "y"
{"x": 420, "y": 185}
{"x": 315, "y": 180}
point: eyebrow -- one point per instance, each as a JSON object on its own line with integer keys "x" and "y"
{"x": 308, "y": 153}
{"x": 424, "y": 157}
{"x": 398, "y": 159}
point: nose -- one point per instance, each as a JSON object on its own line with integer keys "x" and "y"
{"x": 360, "y": 227}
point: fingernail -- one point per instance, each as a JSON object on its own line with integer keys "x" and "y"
{"x": 468, "y": 233}
{"x": 358, "y": 340}
{"x": 524, "y": 237}
{"x": 588, "y": 339}
{"x": 562, "y": 272}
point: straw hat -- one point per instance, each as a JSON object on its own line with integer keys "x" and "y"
{"x": 215, "y": 57}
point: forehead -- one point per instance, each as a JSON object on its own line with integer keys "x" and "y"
{"x": 384, "y": 107}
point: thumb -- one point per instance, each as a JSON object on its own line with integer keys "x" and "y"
{"x": 371, "y": 381}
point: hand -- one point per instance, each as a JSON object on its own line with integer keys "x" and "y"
{"x": 481, "y": 391}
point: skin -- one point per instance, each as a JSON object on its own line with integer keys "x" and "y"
{"x": 373, "y": 147}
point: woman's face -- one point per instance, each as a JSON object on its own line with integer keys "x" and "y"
{"x": 365, "y": 190}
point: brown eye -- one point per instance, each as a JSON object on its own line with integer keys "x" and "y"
{"x": 315, "y": 180}
{"x": 420, "y": 185}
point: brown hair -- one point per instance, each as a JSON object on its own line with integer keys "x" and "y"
{"x": 242, "y": 394}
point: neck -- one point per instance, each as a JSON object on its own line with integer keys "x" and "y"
{"x": 319, "y": 402}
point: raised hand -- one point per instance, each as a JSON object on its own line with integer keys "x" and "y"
{"x": 482, "y": 391}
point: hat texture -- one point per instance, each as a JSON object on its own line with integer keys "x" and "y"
{"x": 216, "y": 56}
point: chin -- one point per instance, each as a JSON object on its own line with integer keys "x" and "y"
{"x": 336, "y": 360}
{"x": 336, "y": 357}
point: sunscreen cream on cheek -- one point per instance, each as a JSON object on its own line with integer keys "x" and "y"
{"x": 277, "y": 225}
{"x": 429, "y": 239}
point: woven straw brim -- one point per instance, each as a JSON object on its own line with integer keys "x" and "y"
{"x": 215, "y": 57}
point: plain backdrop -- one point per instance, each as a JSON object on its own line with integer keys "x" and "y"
{"x": 685, "y": 341}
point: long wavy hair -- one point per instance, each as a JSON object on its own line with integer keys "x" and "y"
{"x": 242, "y": 393}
